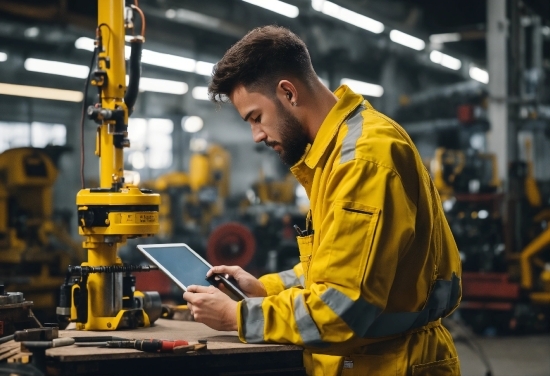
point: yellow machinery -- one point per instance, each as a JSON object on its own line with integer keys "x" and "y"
{"x": 448, "y": 165}
{"x": 191, "y": 200}
{"x": 530, "y": 255}
{"x": 29, "y": 260}
{"x": 99, "y": 294}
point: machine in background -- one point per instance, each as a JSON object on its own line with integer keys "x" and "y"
{"x": 505, "y": 283}
{"x": 35, "y": 247}
{"x": 100, "y": 294}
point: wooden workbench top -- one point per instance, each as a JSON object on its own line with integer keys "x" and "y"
{"x": 218, "y": 342}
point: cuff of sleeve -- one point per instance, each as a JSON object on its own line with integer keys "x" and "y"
{"x": 272, "y": 283}
{"x": 240, "y": 322}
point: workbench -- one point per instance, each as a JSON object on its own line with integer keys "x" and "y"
{"x": 225, "y": 354}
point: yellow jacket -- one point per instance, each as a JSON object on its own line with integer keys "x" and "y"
{"x": 378, "y": 260}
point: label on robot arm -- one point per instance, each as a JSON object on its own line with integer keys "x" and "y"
{"x": 137, "y": 218}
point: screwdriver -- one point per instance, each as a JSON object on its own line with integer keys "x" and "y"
{"x": 148, "y": 345}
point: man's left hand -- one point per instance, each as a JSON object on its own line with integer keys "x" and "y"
{"x": 211, "y": 307}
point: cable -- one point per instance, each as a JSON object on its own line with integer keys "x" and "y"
{"x": 86, "y": 85}
{"x": 142, "y": 18}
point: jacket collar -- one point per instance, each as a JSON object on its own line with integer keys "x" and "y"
{"x": 347, "y": 102}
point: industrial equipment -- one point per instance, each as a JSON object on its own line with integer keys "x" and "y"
{"x": 35, "y": 250}
{"x": 100, "y": 294}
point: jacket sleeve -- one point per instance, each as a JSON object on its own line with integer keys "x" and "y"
{"x": 371, "y": 220}
{"x": 275, "y": 283}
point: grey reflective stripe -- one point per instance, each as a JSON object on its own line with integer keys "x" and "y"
{"x": 302, "y": 281}
{"x": 366, "y": 320}
{"x": 306, "y": 326}
{"x": 355, "y": 128}
{"x": 289, "y": 279}
{"x": 253, "y": 320}
{"x": 358, "y": 315}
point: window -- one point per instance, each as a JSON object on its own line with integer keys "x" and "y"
{"x": 13, "y": 135}
{"x": 150, "y": 143}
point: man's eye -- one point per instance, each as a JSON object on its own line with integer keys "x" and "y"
{"x": 258, "y": 119}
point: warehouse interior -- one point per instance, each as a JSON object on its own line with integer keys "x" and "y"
{"x": 468, "y": 80}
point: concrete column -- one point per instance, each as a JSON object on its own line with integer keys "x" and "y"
{"x": 497, "y": 137}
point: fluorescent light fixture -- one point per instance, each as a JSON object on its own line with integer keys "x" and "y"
{"x": 56, "y": 67}
{"x": 364, "y": 88}
{"x": 204, "y": 68}
{"x": 32, "y": 32}
{"x": 445, "y": 60}
{"x": 445, "y": 38}
{"x": 200, "y": 93}
{"x": 479, "y": 75}
{"x": 192, "y": 124}
{"x": 162, "y": 86}
{"x": 346, "y": 15}
{"x": 84, "y": 43}
{"x": 3, "y": 56}
{"x": 407, "y": 40}
{"x": 276, "y": 6}
{"x": 170, "y": 13}
{"x": 156, "y": 58}
{"x": 168, "y": 61}
{"x": 41, "y": 92}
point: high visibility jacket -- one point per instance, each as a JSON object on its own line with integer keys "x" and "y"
{"x": 378, "y": 267}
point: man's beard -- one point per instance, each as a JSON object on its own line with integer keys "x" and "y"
{"x": 294, "y": 139}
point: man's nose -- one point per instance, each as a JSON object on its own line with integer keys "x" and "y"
{"x": 258, "y": 135}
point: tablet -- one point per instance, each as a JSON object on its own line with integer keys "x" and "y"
{"x": 185, "y": 267}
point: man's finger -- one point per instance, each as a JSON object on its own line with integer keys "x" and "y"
{"x": 223, "y": 269}
{"x": 200, "y": 289}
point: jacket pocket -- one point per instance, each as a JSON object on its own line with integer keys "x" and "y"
{"x": 446, "y": 367}
{"x": 369, "y": 365}
{"x": 305, "y": 246}
{"x": 351, "y": 239}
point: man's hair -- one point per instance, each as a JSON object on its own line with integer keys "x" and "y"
{"x": 259, "y": 61}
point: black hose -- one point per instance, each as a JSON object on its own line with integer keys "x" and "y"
{"x": 135, "y": 72}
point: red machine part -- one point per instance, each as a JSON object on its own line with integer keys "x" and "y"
{"x": 231, "y": 244}
{"x": 488, "y": 291}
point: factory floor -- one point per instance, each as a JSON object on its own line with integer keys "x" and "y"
{"x": 508, "y": 356}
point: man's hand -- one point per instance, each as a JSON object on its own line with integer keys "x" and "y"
{"x": 211, "y": 307}
{"x": 249, "y": 284}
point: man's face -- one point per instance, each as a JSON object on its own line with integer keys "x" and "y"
{"x": 272, "y": 123}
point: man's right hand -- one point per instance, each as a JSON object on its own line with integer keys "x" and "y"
{"x": 249, "y": 284}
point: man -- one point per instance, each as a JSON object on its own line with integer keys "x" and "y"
{"x": 378, "y": 267}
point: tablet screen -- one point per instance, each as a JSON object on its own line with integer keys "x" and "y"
{"x": 178, "y": 261}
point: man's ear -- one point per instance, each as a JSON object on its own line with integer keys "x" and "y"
{"x": 287, "y": 93}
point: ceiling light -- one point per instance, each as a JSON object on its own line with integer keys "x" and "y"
{"x": 346, "y": 15}
{"x": 56, "y": 67}
{"x": 407, "y": 40}
{"x": 445, "y": 60}
{"x": 192, "y": 124}
{"x": 277, "y": 7}
{"x": 32, "y": 32}
{"x": 84, "y": 43}
{"x": 41, "y": 92}
{"x": 170, "y": 13}
{"x": 479, "y": 75}
{"x": 445, "y": 38}
{"x": 153, "y": 58}
{"x": 168, "y": 61}
{"x": 204, "y": 68}
{"x": 364, "y": 88}
{"x": 200, "y": 93}
{"x": 162, "y": 86}
{"x": 3, "y": 56}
